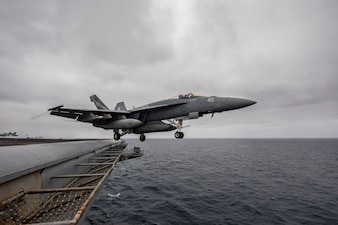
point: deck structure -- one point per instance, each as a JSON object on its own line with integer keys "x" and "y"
{"x": 61, "y": 191}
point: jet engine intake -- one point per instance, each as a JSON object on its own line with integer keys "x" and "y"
{"x": 194, "y": 115}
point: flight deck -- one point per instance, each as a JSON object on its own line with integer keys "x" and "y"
{"x": 55, "y": 181}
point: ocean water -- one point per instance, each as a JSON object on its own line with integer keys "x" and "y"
{"x": 223, "y": 181}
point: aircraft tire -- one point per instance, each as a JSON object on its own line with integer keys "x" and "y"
{"x": 117, "y": 136}
{"x": 179, "y": 135}
{"x": 142, "y": 137}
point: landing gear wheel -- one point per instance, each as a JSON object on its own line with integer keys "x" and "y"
{"x": 142, "y": 137}
{"x": 179, "y": 134}
{"x": 117, "y": 136}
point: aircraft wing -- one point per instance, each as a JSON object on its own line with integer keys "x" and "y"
{"x": 86, "y": 115}
{"x": 155, "y": 107}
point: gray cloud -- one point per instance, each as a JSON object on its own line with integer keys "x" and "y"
{"x": 114, "y": 32}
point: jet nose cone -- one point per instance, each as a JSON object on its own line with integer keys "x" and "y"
{"x": 237, "y": 103}
{"x": 248, "y": 102}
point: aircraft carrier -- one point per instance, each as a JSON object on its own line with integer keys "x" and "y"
{"x": 53, "y": 181}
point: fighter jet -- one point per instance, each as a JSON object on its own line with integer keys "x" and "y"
{"x": 160, "y": 116}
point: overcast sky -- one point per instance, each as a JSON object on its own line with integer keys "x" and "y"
{"x": 282, "y": 54}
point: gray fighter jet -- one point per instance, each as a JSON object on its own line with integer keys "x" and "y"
{"x": 160, "y": 116}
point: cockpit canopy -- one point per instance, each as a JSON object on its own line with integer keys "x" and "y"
{"x": 185, "y": 96}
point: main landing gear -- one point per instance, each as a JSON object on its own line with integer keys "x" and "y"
{"x": 142, "y": 137}
{"x": 117, "y": 136}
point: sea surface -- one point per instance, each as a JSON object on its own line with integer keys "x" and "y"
{"x": 223, "y": 181}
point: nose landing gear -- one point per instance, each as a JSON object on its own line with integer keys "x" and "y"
{"x": 179, "y": 134}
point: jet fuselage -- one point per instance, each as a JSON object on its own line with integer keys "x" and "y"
{"x": 194, "y": 107}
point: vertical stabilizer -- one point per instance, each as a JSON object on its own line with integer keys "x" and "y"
{"x": 99, "y": 104}
{"x": 121, "y": 106}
